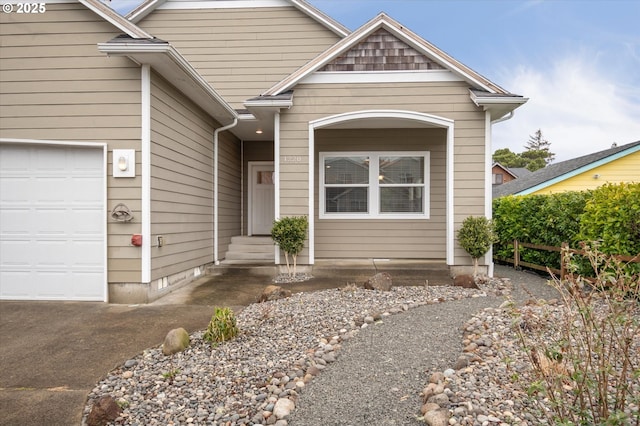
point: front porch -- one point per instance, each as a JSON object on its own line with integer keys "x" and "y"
{"x": 255, "y": 256}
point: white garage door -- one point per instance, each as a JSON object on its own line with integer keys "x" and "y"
{"x": 52, "y": 237}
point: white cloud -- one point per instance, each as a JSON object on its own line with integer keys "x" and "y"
{"x": 580, "y": 106}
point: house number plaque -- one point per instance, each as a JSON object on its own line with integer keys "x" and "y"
{"x": 292, "y": 158}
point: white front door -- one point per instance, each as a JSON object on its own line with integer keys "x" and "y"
{"x": 261, "y": 198}
{"x": 52, "y": 233}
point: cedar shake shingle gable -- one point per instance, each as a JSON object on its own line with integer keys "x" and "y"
{"x": 382, "y": 51}
{"x": 557, "y": 170}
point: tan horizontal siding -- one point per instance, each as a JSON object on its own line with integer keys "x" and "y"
{"x": 229, "y": 190}
{"x": 182, "y": 182}
{"x": 242, "y": 52}
{"x": 56, "y": 85}
{"x": 427, "y": 238}
{"x": 182, "y": 153}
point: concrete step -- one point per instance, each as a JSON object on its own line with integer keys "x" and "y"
{"x": 232, "y": 255}
{"x": 250, "y": 250}
{"x": 245, "y": 240}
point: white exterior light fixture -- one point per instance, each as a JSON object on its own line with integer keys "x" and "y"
{"x": 124, "y": 163}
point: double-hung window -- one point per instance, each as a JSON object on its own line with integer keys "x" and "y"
{"x": 375, "y": 185}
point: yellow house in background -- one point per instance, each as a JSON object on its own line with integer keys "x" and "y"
{"x": 614, "y": 165}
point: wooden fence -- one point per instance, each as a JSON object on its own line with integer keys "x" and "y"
{"x": 517, "y": 262}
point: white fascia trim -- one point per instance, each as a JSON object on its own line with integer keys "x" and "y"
{"x": 311, "y": 215}
{"x": 335, "y": 77}
{"x": 144, "y": 9}
{"x": 316, "y": 14}
{"x": 105, "y": 246}
{"x": 53, "y": 142}
{"x": 276, "y": 176}
{"x": 115, "y": 19}
{"x": 402, "y": 114}
{"x": 579, "y": 171}
{"x": 496, "y": 100}
{"x": 127, "y": 49}
{"x": 220, "y": 4}
{"x": 269, "y": 103}
{"x": 450, "y": 197}
{"x": 146, "y": 172}
{"x": 98, "y": 145}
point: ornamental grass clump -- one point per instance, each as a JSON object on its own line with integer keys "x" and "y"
{"x": 222, "y": 326}
{"x": 585, "y": 357}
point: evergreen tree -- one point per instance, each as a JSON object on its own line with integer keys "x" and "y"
{"x": 538, "y": 148}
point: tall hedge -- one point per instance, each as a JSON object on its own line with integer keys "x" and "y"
{"x": 609, "y": 215}
{"x": 612, "y": 217}
{"x": 537, "y": 219}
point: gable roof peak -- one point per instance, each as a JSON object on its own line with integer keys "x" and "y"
{"x": 148, "y": 6}
{"x": 117, "y": 20}
{"x": 382, "y": 20}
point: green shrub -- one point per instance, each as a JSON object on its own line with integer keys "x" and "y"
{"x": 222, "y": 326}
{"x": 609, "y": 215}
{"x": 476, "y": 237}
{"x": 612, "y": 217}
{"x": 289, "y": 233}
{"x": 537, "y": 219}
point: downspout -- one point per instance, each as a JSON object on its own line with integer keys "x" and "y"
{"x": 216, "y": 261}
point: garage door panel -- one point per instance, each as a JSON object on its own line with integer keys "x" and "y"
{"x": 86, "y": 222}
{"x": 15, "y": 253}
{"x": 13, "y": 222}
{"x": 52, "y": 242}
{"x": 81, "y": 254}
{"x": 53, "y": 285}
{"x": 14, "y": 284}
{"x": 15, "y": 190}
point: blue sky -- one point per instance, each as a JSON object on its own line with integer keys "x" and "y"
{"x": 577, "y": 60}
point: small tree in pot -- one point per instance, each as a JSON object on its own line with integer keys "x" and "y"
{"x": 476, "y": 237}
{"x": 289, "y": 234}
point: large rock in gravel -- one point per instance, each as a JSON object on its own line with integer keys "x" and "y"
{"x": 380, "y": 281}
{"x": 273, "y": 292}
{"x": 104, "y": 411}
{"x": 438, "y": 417}
{"x": 465, "y": 281}
{"x": 177, "y": 340}
{"x": 283, "y": 407}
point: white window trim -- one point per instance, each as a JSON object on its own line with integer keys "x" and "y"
{"x": 373, "y": 200}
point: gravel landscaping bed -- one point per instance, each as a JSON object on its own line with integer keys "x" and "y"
{"x": 338, "y": 357}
